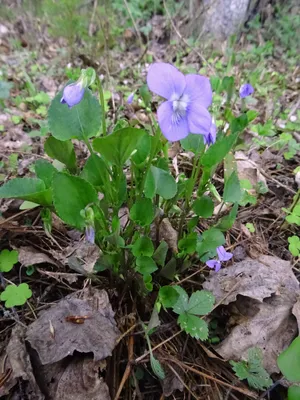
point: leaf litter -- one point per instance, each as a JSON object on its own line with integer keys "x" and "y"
{"x": 60, "y": 355}
{"x": 260, "y": 295}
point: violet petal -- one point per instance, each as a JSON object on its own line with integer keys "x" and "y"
{"x": 165, "y": 80}
{"x": 172, "y": 128}
{"x": 199, "y": 119}
{"x": 223, "y": 255}
{"x": 198, "y": 89}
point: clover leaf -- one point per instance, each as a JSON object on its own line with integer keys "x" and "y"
{"x": 7, "y": 260}
{"x": 16, "y": 295}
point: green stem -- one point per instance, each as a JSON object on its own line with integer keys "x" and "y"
{"x": 102, "y": 104}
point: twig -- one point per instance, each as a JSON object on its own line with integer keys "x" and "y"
{"x": 92, "y": 18}
{"x": 184, "y": 41}
{"x": 134, "y": 24}
{"x": 128, "y": 367}
{"x": 195, "y": 371}
{"x": 139, "y": 359}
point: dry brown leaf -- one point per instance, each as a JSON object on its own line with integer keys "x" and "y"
{"x": 168, "y": 234}
{"x": 84, "y": 258}
{"x": 248, "y": 169}
{"x": 16, "y": 360}
{"x": 72, "y": 379}
{"x": 60, "y": 276}
{"x": 256, "y": 279}
{"x": 264, "y": 292}
{"x": 171, "y": 383}
{"x": 97, "y": 332}
{"x": 28, "y": 255}
{"x": 296, "y": 312}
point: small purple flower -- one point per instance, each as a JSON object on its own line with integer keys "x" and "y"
{"x": 90, "y": 234}
{"x": 210, "y": 138}
{"x": 214, "y": 264}
{"x": 223, "y": 255}
{"x": 246, "y": 90}
{"x": 188, "y": 98}
{"x": 72, "y": 94}
{"x": 130, "y": 98}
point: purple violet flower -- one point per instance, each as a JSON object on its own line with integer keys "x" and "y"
{"x": 90, "y": 234}
{"x": 188, "y": 98}
{"x": 210, "y": 138}
{"x": 246, "y": 90}
{"x": 72, "y": 94}
{"x": 223, "y": 255}
{"x": 130, "y": 98}
{"x": 214, "y": 264}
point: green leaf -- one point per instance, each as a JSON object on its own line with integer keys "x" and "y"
{"x": 194, "y": 143}
{"x": 201, "y": 302}
{"x": 156, "y": 367}
{"x": 294, "y": 393}
{"x": 145, "y": 265}
{"x": 44, "y": 170}
{"x": 232, "y": 189}
{"x": 30, "y": 189}
{"x": 160, "y": 253}
{"x": 210, "y": 240}
{"x": 238, "y": 124}
{"x": 193, "y": 325}
{"x": 227, "y": 221}
{"x": 142, "y": 212}
{"x": 251, "y": 115}
{"x": 182, "y": 302}
{"x": 168, "y": 296}
{"x": 72, "y": 194}
{"x": 143, "y": 246}
{"x": 203, "y": 207}
{"x": 142, "y": 150}
{"x": 187, "y": 245}
{"x": 62, "y": 151}
{"x": 16, "y": 295}
{"x": 250, "y": 227}
{"x": 294, "y": 245}
{"x": 159, "y": 181}
{"x": 289, "y": 361}
{"x": 218, "y": 151}
{"x": 95, "y": 172}
{"x": 79, "y": 122}
{"x": 252, "y": 370}
{"x": 119, "y": 146}
{"x": 8, "y": 259}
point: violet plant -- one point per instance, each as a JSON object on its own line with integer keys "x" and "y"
{"x": 127, "y": 176}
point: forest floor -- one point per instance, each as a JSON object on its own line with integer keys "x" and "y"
{"x": 267, "y": 155}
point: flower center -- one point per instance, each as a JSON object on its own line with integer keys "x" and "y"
{"x": 180, "y": 105}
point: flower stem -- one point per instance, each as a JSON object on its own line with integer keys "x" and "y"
{"x": 102, "y": 104}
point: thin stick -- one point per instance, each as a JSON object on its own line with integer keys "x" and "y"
{"x": 244, "y": 391}
{"x": 139, "y": 359}
{"x": 134, "y": 24}
{"x": 184, "y": 41}
{"x": 128, "y": 367}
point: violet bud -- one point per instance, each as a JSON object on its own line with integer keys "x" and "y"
{"x": 72, "y": 94}
{"x": 130, "y": 98}
{"x": 246, "y": 90}
{"x": 210, "y": 138}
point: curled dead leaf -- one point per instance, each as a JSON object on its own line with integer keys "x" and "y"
{"x": 264, "y": 292}
{"x": 97, "y": 334}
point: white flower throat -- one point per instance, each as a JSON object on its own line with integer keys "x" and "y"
{"x": 180, "y": 104}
